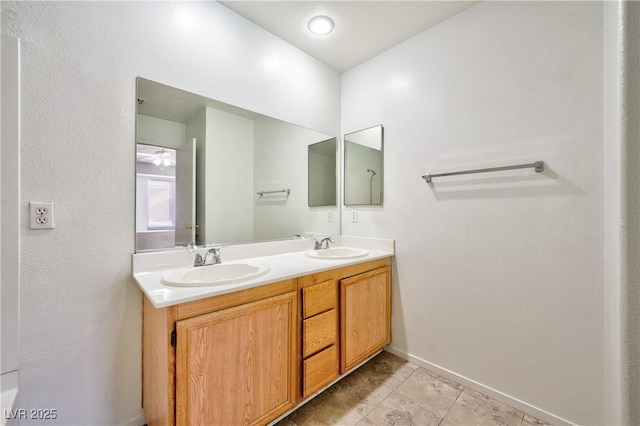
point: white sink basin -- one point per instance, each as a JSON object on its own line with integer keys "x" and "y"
{"x": 338, "y": 253}
{"x": 220, "y": 274}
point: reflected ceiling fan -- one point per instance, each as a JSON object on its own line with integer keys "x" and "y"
{"x": 161, "y": 158}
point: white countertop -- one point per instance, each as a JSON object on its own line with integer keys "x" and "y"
{"x": 286, "y": 259}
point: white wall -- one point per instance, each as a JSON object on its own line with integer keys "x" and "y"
{"x": 499, "y": 277}
{"x": 10, "y": 217}
{"x": 80, "y": 310}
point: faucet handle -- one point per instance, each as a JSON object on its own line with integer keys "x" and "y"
{"x": 323, "y": 243}
{"x": 198, "y": 261}
{"x": 326, "y": 241}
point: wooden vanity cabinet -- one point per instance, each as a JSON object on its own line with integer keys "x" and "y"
{"x": 360, "y": 297}
{"x": 235, "y": 359}
{"x": 320, "y": 355}
{"x": 247, "y": 357}
{"x": 365, "y": 316}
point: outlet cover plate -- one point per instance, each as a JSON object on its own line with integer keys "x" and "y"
{"x": 41, "y": 215}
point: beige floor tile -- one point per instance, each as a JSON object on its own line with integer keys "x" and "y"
{"x": 366, "y": 387}
{"x": 325, "y": 409}
{"x": 387, "y": 369}
{"x": 534, "y": 421}
{"x": 363, "y": 398}
{"x": 445, "y": 380}
{"x": 399, "y": 410}
{"x": 366, "y": 422}
{"x": 285, "y": 422}
{"x": 474, "y": 408}
{"x": 391, "y": 391}
{"x": 429, "y": 392}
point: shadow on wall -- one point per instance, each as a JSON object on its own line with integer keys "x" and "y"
{"x": 398, "y": 336}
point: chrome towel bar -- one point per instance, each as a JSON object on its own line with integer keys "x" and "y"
{"x": 261, "y": 193}
{"x": 538, "y": 166}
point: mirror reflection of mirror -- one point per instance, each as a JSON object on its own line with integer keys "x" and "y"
{"x": 363, "y": 160}
{"x": 322, "y": 161}
{"x": 224, "y": 156}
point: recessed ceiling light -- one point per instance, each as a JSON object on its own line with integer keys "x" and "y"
{"x": 321, "y": 25}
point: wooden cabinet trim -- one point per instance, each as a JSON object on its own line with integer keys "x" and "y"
{"x": 158, "y": 368}
{"x": 236, "y": 298}
{"x": 340, "y": 273}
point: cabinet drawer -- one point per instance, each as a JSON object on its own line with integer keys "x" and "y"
{"x": 319, "y": 332}
{"x": 319, "y": 298}
{"x": 320, "y": 370}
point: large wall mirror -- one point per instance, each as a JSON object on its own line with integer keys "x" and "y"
{"x": 363, "y": 162}
{"x": 212, "y": 173}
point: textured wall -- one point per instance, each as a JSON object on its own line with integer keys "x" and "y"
{"x": 499, "y": 276}
{"x": 10, "y": 356}
{"x": 80, "y": 310}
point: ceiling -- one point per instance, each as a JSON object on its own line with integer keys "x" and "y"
{"x": 363, "y": 29}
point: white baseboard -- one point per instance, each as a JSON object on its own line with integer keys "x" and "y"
{"x": 495, "y": 394}
{"x": 138, "y": 420}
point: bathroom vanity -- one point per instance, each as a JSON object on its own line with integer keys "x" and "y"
{"x": 248, "y": 355}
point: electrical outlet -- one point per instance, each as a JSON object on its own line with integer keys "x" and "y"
{"x": 41, "y": 215}
{"x": 329, "y": 216}
{"x": 354, "y": 215}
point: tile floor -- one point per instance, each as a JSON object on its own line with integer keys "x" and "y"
{"x": 391, "y": 391}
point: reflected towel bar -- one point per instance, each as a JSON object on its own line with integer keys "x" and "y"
{"x": 538, "y": 166}
{"x": 261, "y": 193}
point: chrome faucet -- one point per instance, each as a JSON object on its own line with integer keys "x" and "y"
{"x": 212, "y": 252}
{"x": 323, "y": 244}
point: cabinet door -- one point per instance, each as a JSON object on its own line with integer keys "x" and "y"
{"x": 237, "y": 366}
{"x": 365, "y": 316}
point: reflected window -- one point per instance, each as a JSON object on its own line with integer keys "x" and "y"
{"x": 155, "y": 197}
{"x": 161, "y": 210}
